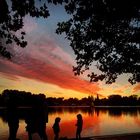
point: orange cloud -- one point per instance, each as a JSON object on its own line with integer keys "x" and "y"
{"x": 136, "y": 88}
{"x": 118, "y": 91}
{"x": 49, "y": 64}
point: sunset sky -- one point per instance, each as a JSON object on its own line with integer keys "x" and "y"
{"x": 45, "y": 65}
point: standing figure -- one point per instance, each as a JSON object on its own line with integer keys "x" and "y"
{"x": 13, "y": 123}
{"x": 56, "y": 128}
{"x": 79, "y": 125}
{"x": 36, "y": 121}
{"x": 12, "y": 118}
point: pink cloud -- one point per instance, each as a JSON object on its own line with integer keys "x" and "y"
{"x": 29, "y": 24}
{"x": 47, "y": 63}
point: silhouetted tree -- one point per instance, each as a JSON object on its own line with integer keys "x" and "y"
{"x": 106, "y": 34}
{"x": 133, "y": 100}
{"x": 97, "y": 100}
{"x": 21, "y": 98}
{"x": 12, "y": 13}
{"x": 115, "y": 100}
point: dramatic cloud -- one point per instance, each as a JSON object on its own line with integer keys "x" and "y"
{"x": 136, "y": 88}
{"x": 47, "y": 63}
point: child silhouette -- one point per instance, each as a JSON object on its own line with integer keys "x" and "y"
{"x": 79, "y": 125}
{"x": 56, "y": 128}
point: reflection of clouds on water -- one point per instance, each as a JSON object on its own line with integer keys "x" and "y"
{"x": 95, "y": 121}
{"x": 3, "y": 129}
{"x": 91, "y": 125}
{"x": 137, "y": 120}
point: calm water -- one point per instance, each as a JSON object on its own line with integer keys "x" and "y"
{"x": 96, "y": 122}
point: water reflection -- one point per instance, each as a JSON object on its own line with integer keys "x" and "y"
{"x": 71, "y": 110}
{"x": 92, "y": 111}
{"x": 96, "y": 121}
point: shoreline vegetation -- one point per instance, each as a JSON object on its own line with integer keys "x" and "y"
{"x": 28, "y": 99}
{"x": 102, "y": 107}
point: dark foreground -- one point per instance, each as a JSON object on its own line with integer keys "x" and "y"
{"x": 133, "y": 136}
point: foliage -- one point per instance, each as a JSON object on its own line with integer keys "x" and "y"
{"x": 20, "y": 98}
{"x": 106, "y": 32}
{"x": 11, "y": 20}
{"x": 12, "y": 13}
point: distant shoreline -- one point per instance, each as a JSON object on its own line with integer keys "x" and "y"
{"x": 80, "y": 107}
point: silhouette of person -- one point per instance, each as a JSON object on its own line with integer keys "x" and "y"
{"x": 42, "y": 119}
{"x": 12, "y": 119}
{"x": 36, "y": 121}
{"x": 56, "y": 128}
{"x": 31, "y": 124}
{"x": 79, "y": 125}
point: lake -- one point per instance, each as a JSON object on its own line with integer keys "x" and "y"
{"x": 96, "y": 121}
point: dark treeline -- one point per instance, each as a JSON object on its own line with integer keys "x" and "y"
{"x": 22, "y": 98}
{"x": 112, "y": 100}
{"x": 118, "y": 100}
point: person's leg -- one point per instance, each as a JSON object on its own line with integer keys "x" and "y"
{"x": 12, "y": 132}
{"x": 44, "y": 135}
{"x": 77, "y": 135}
{"x": 56, "y": 136}
{"x": 29, "y": 136}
